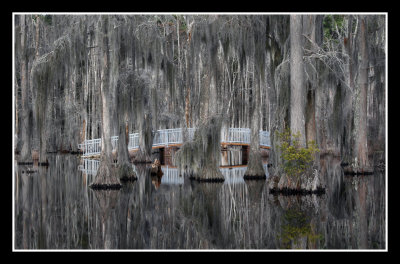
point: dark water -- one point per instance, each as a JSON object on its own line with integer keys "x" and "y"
{"x": 54, "y": 209}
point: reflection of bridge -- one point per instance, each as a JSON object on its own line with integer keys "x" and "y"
{"x": 171, "y": 175}
{"x": 174, "y": 137}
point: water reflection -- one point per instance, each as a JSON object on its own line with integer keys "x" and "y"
{"x": 55, "y": 209}
{"x": 171, "y": 174}
{"x": 297, "y": 232}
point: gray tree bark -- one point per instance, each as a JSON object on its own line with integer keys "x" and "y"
{"x": 125, "y": 170}
{"x": 25, "y": 129}
{"x": 309, "y": 29}
{"x": 346, "y": 151}
{"x": 297, "y": 87}
{"x": 255, "y": 167}
{"x": 360, "y": 116}
{"x": 144, "y": 118}
{"x": 106, "y": 175}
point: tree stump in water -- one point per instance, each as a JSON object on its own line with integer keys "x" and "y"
{"x": 300, "y": 186}
{"x": 156, "y": 168}
{"x": 210, "y": 173}
{"x": 106, "y": 177}
{"x": 255, "y": 170}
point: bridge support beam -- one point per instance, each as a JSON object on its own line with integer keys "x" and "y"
{"x": 167, "y": 154}
{"x": 245, "y": 154}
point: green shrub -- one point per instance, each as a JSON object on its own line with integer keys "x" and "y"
{"x": 296, "y": 159}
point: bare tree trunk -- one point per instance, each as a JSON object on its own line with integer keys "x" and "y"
{"x": 187, "y": 97}
{"x": 309, "y": 22}
{"x": 360, "y": 116}
{"x": 125, "y": 170}
{"x": 210, "y": 133}
{"x": 297, "y": 91}
{"x": 205, "y": 95}
{"x": 145, "y": 136}
{"x": 16, "y": 131}
{"x": 37, "y": 36}
{"x": 25, "y": 129}
{"x": 255, "y": 167}
{"x": 106, "y": 176}
{"x": 44, "y": 112}
{"x": 347, "y": 108}
{"x": 35, "y": 137}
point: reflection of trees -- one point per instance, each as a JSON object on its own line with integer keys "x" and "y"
{"x": 232, "y": 202}
{"x": 245, "y": 216}
{"x": 25, "y": 201}
{"x": 255, "y": 188}
{"x": 54, "y": 209}
{"x": 296, "y": 230}
{"x": 29, "y": 228}
{"x": 209, "y": 210}
{"x": 122, "y": 212}
{"x": 104, "y": 235}
{"x": 355, "y": 209}
{"x": 161, "y": 219}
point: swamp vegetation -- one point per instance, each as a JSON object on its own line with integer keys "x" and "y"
{"x": 315, "y": 82}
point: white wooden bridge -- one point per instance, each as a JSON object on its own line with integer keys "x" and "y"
{"x": 171, "y": 175}
{"x": 174, "y": 137}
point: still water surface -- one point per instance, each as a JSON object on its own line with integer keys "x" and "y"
{"x": 55, "y": 209}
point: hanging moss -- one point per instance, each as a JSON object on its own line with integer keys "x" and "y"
{"x": 47, "y": 73}
{"x": 200, "y": 158}
{"x": 220, "y": 60}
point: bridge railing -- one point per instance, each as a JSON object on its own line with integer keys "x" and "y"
{"x": 91, "y": 147}
{"x": 165, "y": 137}
{"x": 243, "y": 135}
{"x": 114, "y": 142}
{"x": 133, "y": 141}
{"x": 236, "y": 135}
